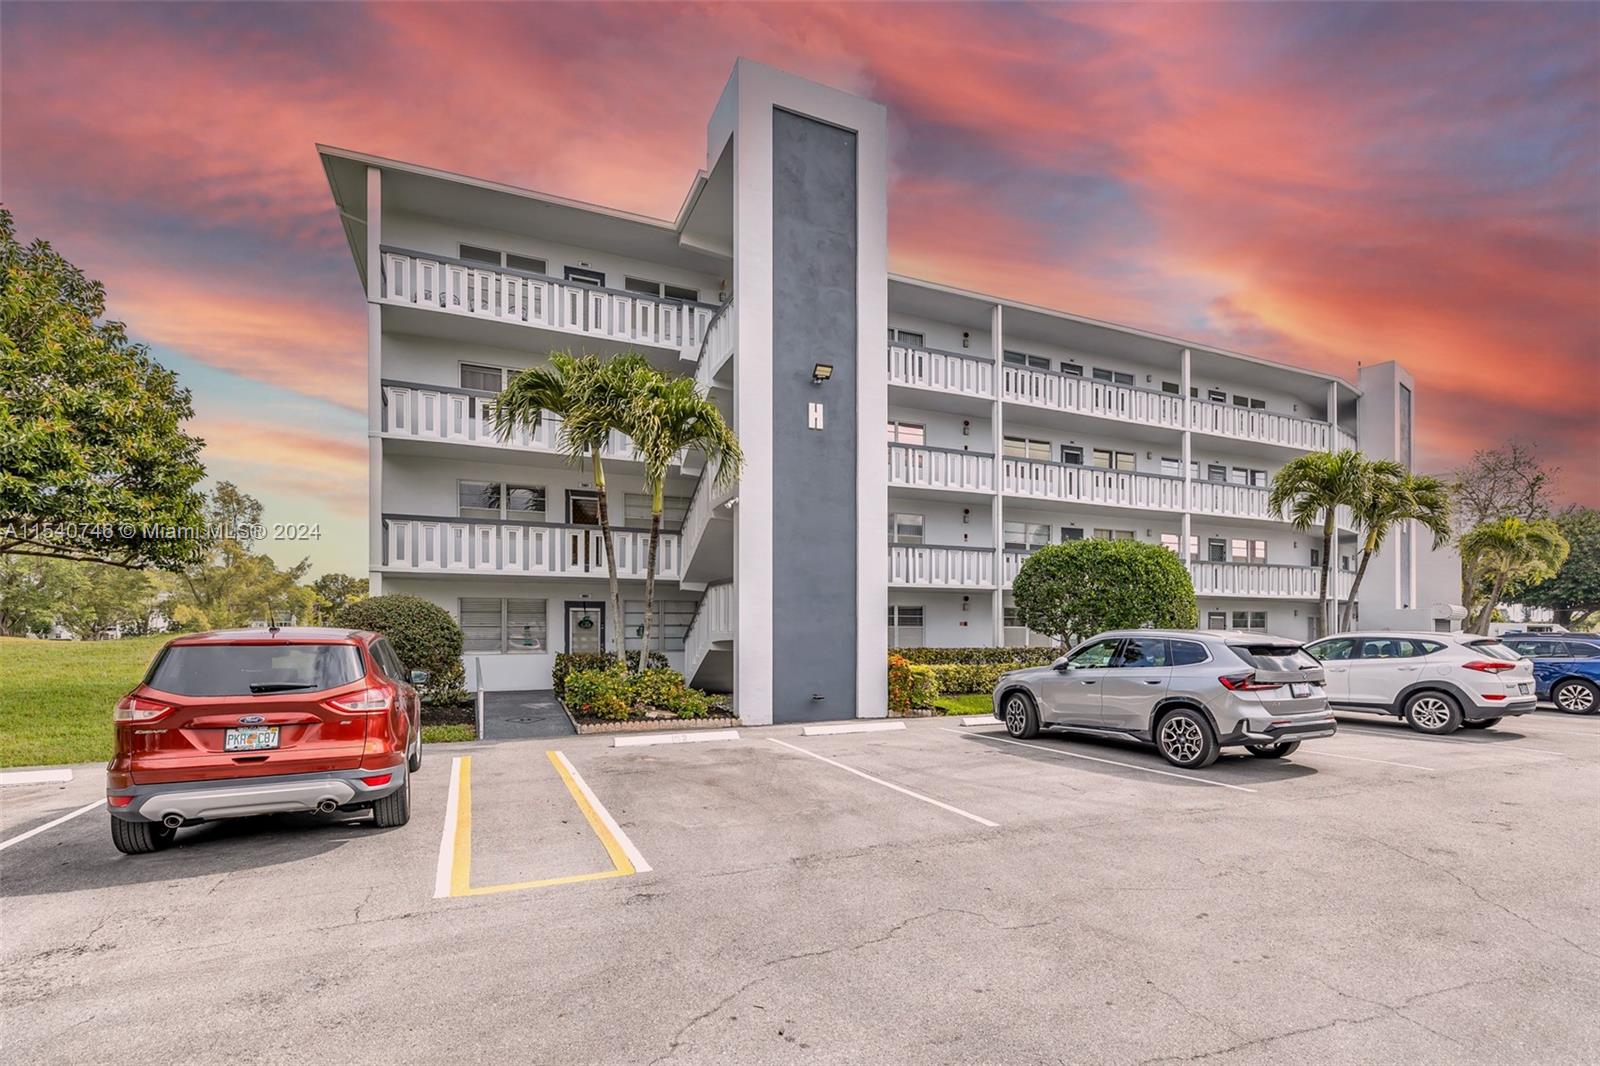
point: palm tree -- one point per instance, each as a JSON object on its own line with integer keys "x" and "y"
{"x": 1510, "y": 549}
{"x": 668, "y": 416}
{"x": 1394, "y": 496}
{"x": 1309, "y": 491}
{"x": 590, "y": 396}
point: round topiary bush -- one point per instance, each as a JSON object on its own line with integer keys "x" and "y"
{"x": 1075, "y": 590}
{"x": 423, "y": 634}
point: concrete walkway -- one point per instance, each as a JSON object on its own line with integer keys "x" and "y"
{"x": 523, "y": 715}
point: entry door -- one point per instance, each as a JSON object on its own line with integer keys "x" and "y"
{"x": 1072, "y": 697}
{"x": 1137, "y": 680}
{"x": 1334, "y": 654}
{"x": 586, "y": 627}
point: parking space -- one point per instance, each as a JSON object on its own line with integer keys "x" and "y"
{"x": 883, "y": 896}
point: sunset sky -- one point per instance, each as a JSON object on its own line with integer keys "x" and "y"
{"x": 1320, "y": 184}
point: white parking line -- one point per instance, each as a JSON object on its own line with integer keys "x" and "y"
{"x": 639, "y": 865}
{"x": 447, "y": 842}
{"x": 1494, "y": 745}
{"x": 1092, "y": 758}
{"x": 700, "y": 737}
{"x": 1357, "y": 758}
{"x": 850, "y": 727}
{"x": 36, "y": 830}
{"x": 887, "y": 784}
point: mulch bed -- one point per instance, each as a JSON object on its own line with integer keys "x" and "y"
{"x": 459, "y": 714}
{"x": 590, "y": 724}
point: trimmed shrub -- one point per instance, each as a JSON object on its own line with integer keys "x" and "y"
{"x": 615, "y": 695}
{"x": 1084, "y": 587}
{"x": 602, "y": 693}
{"x": 958, "y": 679}
{"x": 975, "y": 656}
{"x": 423, "y": 634}
{"x": 910, "y": 685}
{"x": 568, "y": 661}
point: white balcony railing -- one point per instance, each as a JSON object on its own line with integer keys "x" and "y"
{"x": 936, "y": 566}
{"x": 929, "y": 368}
{"x": 1011, "y": 562}
{"x": 466, "y": 545}
{"x": 708, "y": 496}
{"x": 1041, "y": 388}
{"x": 479, "y": 291}
{"x": 1230, "y": 499}
{"x": 1258, "y": 425}
{"x": 919, "y": 466}
{"x": 715, "y": 620}
{"x": 721, "y": 335}
{"x": 1344, "y": 440}
{"x": 1089, "y": 484}
{"x": 1261, "y": 580}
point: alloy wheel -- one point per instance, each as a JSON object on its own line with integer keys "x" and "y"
{"x": 1431, "y": 712}
{"x": 1016, "y": 714}
{"x": 1181, "y": 739}
{"x": 1576, "y": 698}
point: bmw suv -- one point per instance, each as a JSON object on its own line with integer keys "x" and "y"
{"x": 263, "y": 721}
{"x": 1190, "y": 693}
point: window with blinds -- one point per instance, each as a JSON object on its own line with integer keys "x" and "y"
{"x": 481, "y": 629}
{"x": 669, "y": 623}
{"x": 492, "y": 626}
{"x": 636, "y": 510}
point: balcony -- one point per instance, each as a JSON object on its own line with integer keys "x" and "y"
{"x": 426, "y": 544}
{"x": 946, "y": 372}
{"x": 716, "y": 349}
{"x": 478, "y": 291}
{"x": 1267, "y": 581}
{"x": 1254, "y": 424}
{"x": 935, "y": 566}
{"x": 1058, "y": 392}
{"x": 1230, "y": 499}
{"x": 918, "y": 466}
{"x": 1041, "y": 480}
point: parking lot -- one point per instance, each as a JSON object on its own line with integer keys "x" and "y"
{"x": 938, "y": 893}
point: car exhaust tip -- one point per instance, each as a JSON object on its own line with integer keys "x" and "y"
{"x": 326, "y": 806}
{"x": 172, "y": 821}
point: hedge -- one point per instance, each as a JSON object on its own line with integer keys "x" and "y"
{"x": 979, "y": 656}
{"x": 568, "y": 661}
{"x": 423, "y": 634}
{"x": 616, "y": 695}
{"x": 910, "y": 685}
{"x": 960, "y": 679}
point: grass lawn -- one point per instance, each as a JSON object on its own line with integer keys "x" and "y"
{"x": 979, "y": 703}
{"x": 447, "y": 734}
{"x": 56, "y": 696}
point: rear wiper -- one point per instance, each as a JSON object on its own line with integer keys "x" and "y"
{"x": 279, "y": 687}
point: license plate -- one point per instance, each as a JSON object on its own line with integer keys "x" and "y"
{"x": 1523, "y": 688}
{"x": 253, "y": 738}
{"x": 1299, "y": 691}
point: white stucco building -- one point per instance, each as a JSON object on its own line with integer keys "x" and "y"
{"x": 1009, "y": 426}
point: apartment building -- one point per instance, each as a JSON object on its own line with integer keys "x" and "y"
{"x": 907, "y": 444}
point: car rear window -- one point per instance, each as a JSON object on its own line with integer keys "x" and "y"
{"x": 1275, "y": 656}
{"x": 254, "y": 669}
{"x": 1494, "y": 649}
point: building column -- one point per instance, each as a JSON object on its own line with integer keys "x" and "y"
{"x": 1331, "y": 623}
{"x": 375, "y": 545}
{"x": 1188, "y": 501}
{"x": 997, "y": 504}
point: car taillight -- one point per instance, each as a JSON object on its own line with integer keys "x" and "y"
{"x": 137, "y": 709}
{"x": 119, "y": 801}
{"x": 368, "y": 699}
{"x": 1246, "y": 683}
{"x": 377, "y": 780}
{"x": 1488, "y": 666}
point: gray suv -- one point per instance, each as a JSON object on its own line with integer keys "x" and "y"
{"x": 1190, "y": 693}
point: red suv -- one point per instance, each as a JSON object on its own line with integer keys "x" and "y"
{"x": 263, "y": 721}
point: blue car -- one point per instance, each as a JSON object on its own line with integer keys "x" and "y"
{"x": 1566, "y": 667}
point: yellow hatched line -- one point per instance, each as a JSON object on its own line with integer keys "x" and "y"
{"x": 625, "y": 860}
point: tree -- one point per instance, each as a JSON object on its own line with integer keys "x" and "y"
{"x": 423, "y": 634}
{"x": 109, "y": 599}
{"x": 1574, "y": 592}
{"x": 1393, "y": 496}
{"x": 1504, "y": 482}
{"x": 668, "y": 416}
{"x": 1309, "y": 491}
{"x": 231, "y": 585}
{"x": 1511, "y": 549}
{"x": 592, "y": 398}
{"x": 32, "y": 591}
{"x": 1080, "y": 588}
{"x": 94, "y": 461}
{"x": 335, "y": 592}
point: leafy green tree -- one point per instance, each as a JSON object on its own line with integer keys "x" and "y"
{"x": 1080, "y": 588}
{"x": 232, "y": 585}
{"x": 1574, "y": 592}
{"x": 1393, "y": 496}
{"x": 94, "y": 461}
{"x": 110, "y": 598}
{"x": 32, "y": 591}
{"x": 666, "y": 417}
{"x": 1309, "y": 491}
{"x": 1511, "y": 549}
{"x": 335, "y": 592}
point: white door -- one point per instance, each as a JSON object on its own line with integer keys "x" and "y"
{"x": 585, "y": 628}
{"x": 1072, "y": 696}
{"x": 1381, "y": 667}
{"x": 1334, "y": 654}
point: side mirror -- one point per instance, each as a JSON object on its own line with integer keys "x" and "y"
{"x": 419, "y": 677}
{"x": 1062, "y": 665}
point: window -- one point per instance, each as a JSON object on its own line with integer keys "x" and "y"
{"x": 1216, "y": 550}
{"x": 646, "y": 287}
{"x": 1405, "y": 425}
{"x": 1113, "y": 534}
{"x": 1256, "y": 620}
{"x": 1187, "y": 652}
{"x": 1169, "y": 541}
{"x": 254, "y": 669}
{"x": 1393, "y": 648}
{"x": 1072, "y": 454}
{"x": 905, "y": 626}
{"x": 1107, "y": 459}
{"x": 1216, "y": 619}
{"x": 636, "y": 510}
{"x": 1026, "y": 536}
{"x": 669, "y": 624}
{"x": 493, "y": 257}
{"x": 1036, "y": 362}
{"x": 477, "y": 499}
{"x": 907, "y": 433}
{"x": 474, "y": 254}
{"x": 1316, "y": 556}
{"x": 907, "y": 529}
{"x": 495, "y": 626}
{"x": 905, "y": 337}
{"x": 525, "y": 263}
{"x": 1171, "y": 467}
{"x": 1241, "y": 550}
{"x": 389, "y": 660}
{"x": 1024, "y": 448}
{"x": 1216, "y": 396}
{"x": 1575, "y": 650}
{"x": 1216, "y": 472}
{"x": 1329, "y": 651}
{"x": 1245, "y": 476}
{"x": 492, "y": 499}
{"x": 1172, "y": 387}
{"x": 1118, "y": 377}
{"x": 1542, "y": 649}
{"x": 585, "y": 277}
{"x": 525, "y": 502}
{"x": 1072, "y": 370}
{"x": 1095, "y": 655}
{"x": 1142, "y": 651}
{"x": 1071, "y": 533}
{"x": 482, "y": 378}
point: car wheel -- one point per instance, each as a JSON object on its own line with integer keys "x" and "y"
{"x": 1576, "y": 696}
{"x": 1022, "y": 717}
{"x": 414, "y": 757}
{"x": 140, "y": 838}
{"x": 393, "y": 810}
{"x": 1273, "y": 751}
{"x": 1482, "y": 723}
{"x": 1184, "y": 738}
{"x": 1433, "y": 712}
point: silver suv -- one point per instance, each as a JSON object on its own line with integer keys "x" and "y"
{"x": 1190, "y": 693}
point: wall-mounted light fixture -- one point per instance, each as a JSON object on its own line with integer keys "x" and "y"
{"x": 1149, "y": 455}
{"x": 965, "y": 602}
{"x": 966, "y": 515}
{"x": 1148, "y": 379}
{"x": 966, "y": 427}
{"x": 966, "y": 339}
{"x": 821, "y": 372}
